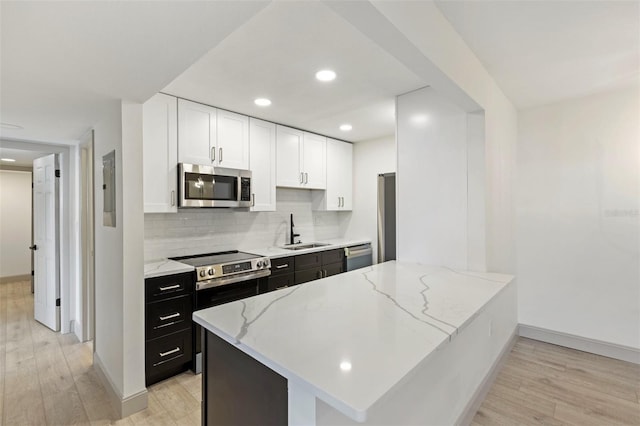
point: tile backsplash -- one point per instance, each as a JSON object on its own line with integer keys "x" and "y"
{"x": 195, "y": 231}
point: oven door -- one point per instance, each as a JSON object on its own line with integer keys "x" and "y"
{"x": 217, "y": 295}
{"x": 206, "y": 186}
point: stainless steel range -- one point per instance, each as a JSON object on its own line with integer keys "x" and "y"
{"x": 216, "y": 269}
{"x": 221, "y": 278}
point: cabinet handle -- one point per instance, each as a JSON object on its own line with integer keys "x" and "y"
{"x": 173, "y": 198}
{"x": 253, "y": 199}
{"x": 220, "y": 155}
{"x": 284, "y": 265}
{"x": 301, "y": 177}
{"x": 342, "y": 205}
{"x": 306, "y": 177}
{"x": 176, "y": 315}
{"x": 325, "y": 273}
{"x": 213, "y": 154}
{"x": 172, "y": 351}
{"x": 319, "y": 272}
{"x": 338, "y": 201}
{"x": 284, "y": 286}
{"x": 171, "y": 287}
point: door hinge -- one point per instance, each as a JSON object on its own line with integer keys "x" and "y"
{"x": 58, "y": 302}
{"x": 58, "y": 173}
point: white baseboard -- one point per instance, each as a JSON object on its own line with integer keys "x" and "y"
{"x": 124, "y": 406}
{"x": 481, "y": 392}
{"x": 611, "y": 350}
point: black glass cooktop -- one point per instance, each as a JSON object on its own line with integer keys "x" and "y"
{"x": 215, "y": 258}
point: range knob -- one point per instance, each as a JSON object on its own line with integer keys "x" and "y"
{"x": 211, "y": 271}
{"x": 203, "y": 273}
{"x": 259, "y": 263}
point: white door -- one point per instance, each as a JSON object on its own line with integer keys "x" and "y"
{"x": 233, "y": 140}
{"x": 288, "y": 153}
{"x": 196, "y": 133}
{"x": 262, "y": 156}
{"x": 45, "y": 239}
{"x": 314, "y": 161}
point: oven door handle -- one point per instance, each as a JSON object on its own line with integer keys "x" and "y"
{"x": 217, "y": 282}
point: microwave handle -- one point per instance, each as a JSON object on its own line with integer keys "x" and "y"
{"x": 213, "y": 154}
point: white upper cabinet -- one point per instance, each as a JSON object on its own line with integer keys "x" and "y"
{"x": 262, "y": 163}
{"x": 339, "y": 192}
{"x": 301, "y": 159}
{"x": 314, "y": 158}
{"x": 289, "y": 152}
{"x": 160, "y": 154}
{"x": 232, "y": 140}
{"x": 211, "y": 136}
{"x": 196, "y": 133}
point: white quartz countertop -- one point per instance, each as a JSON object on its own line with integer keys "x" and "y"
{"x": 350, "y": 338}
{"x": 277, "y": 251}
{"x": 158, "y": 268}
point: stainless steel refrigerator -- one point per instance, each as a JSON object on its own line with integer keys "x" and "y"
{"x": 386, "y": 217}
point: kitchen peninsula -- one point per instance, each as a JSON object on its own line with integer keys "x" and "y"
{"x": 394, "y": 343}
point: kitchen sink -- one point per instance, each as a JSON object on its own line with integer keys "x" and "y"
{"x": 304, "y": 246}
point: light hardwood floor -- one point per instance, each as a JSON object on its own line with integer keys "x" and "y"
{"x": 47, "y": 378}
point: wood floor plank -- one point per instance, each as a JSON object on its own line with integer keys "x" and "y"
{"x": 532, "y": 402}
{"x": 172, "y": 394}
{"x": 23, "y": 399}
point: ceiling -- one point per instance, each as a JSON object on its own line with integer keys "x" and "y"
{"x": 276, "y": 55}
{"x": 540, "y": 52}
{"x": 23, "y": 158}
{"x": 65, "y": 63}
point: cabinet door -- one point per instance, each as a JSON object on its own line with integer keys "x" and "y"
{"x": 262, "y": 163}
{"x": 314, "y": 157}
{"x": 196, "y": 133}
{"x": 333, "y": 269}
{"x": 306, "y": 275}
{"x": 340, "y": 164}
{"x": 288, "y": 154}
{"x": 232, "y": 140}
{"x": 160, "y": 154}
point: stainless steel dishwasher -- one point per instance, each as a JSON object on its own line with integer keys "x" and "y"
{"x": 359, "y": 256}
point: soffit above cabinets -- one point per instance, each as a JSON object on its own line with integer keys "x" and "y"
{"x": 276, "y": 55}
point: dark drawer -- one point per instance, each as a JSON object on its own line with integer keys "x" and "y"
{"x": 307, "y": 261}
{"x": 167, "y": 356}
{"x": 333, "y": 269}
{"x": 168, "y": 286}
{"x": 332, "y": 256}
{"x": 307, "y": 275}
{"x": 168, "y": 316}
{"x": 281, "y": 265}
{"x": 280, "y": 281}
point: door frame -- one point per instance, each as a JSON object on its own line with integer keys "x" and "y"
{"x": 87, "y": 239}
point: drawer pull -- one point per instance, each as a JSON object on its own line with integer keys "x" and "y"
{"x": 284, "y": 286}
{"x": 172, "y": 351}
{"x": 176, "y": 315}
{"x": 284, "y": 265}
{"x": 171, "y": 287}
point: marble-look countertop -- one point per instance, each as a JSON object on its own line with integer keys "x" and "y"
{"x": 158, "y": 268}
{"x": 350, "y": 338}
{"x": 277, "y": 251}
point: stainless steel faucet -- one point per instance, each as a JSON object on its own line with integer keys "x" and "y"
{"x": 291, "y": 234}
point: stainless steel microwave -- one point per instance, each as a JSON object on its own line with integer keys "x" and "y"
{"x": 208, "y": 186}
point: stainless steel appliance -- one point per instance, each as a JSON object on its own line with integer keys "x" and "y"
{"x": 386, "y": 217}
{"x": 357, "y": 257}
{"x": 208, "y": 186}
{"x": 221, "y": 278}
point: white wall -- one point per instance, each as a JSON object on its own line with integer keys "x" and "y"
{"x": 370, "y": 158}
{"x": 432, "y": 180}
{"x": 578, "y": 233}
{"x": 196, "y": 231}
{"x": 15, "y": 223}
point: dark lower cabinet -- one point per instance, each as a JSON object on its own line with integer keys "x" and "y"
{"x": 280, "y": 281}
{"x": 307, "y": 275}
{"x": 238, "y": 390}
{"x": 168, "y": 331}
{"x": 333, "y": 269}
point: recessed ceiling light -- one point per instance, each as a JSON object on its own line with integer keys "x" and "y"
{"x": 8, "y": 160}
{"x": 10, "y": 126}
{"x": 262, "y": 102}
{"x": 345, "y": 366}
{"x": 326, "y": 75}
{"x": 346, "y": 127}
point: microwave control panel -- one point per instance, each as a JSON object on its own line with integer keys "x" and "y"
{"x": 245, "y": 189}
